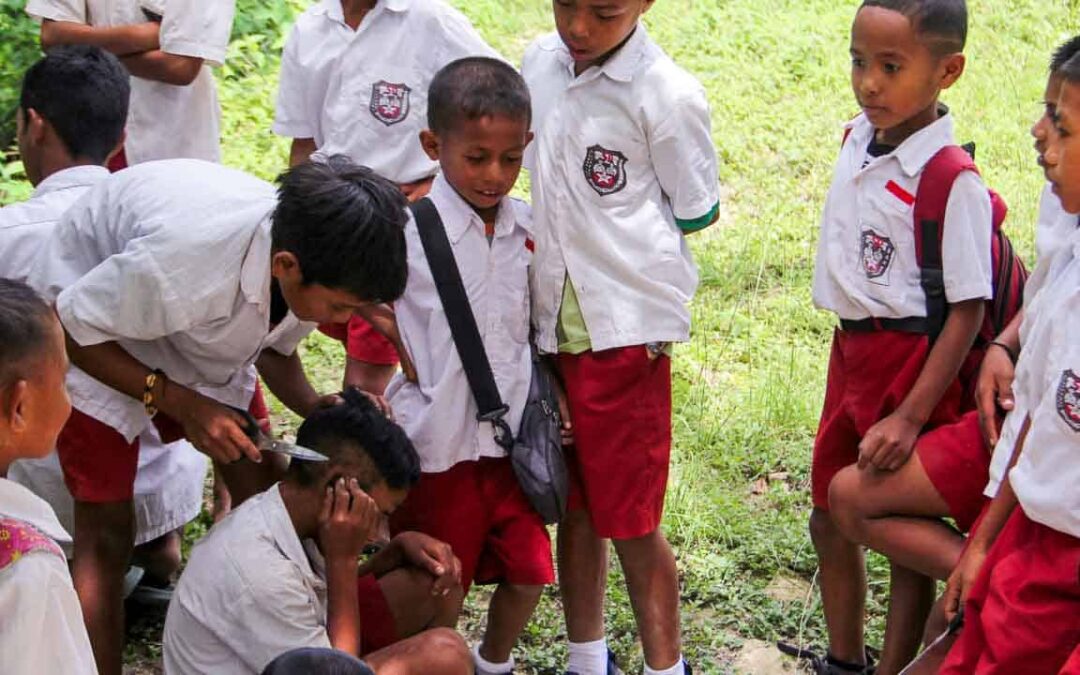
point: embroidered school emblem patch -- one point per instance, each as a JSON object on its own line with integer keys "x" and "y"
{"x": 877, "y": 254}
{"x": 1068, "y": 399}
{"x": 389, "y": 102}
{"x": 605, "y": 170}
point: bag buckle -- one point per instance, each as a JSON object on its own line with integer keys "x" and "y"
{"x": 504, "y": 435}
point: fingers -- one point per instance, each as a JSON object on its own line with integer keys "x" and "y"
{"x": 240, "y": 441}
{"x": 1005, "y": 397}
{"x": 328, "y": 505}
{"x": 952, "y": 600}
{"x": 868, "y": 450}
{"x": 986, "y": 406}
{"x": 381, "y": 403}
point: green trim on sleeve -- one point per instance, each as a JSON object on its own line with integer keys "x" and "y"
{"x": 695, "y": 224}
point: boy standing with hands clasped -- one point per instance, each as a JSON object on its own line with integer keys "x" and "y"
{"x": 623, "y": 167}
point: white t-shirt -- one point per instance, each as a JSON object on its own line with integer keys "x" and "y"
{"x": 374, "y": 103}
{"x": 622, "y": 154}
{"x": 439, "y": 412}
{"x": 171, "y": 260}
{"x": 866, "y": 263}
{"x": 165, "y": 121}
{"x": 1055, "y": 224}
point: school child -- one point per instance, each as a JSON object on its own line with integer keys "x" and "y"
{"x": 42, "y": 630}
{"x": 354, "y": 79}
{"x": 316, "y": 660}
{"x": 623, "y": 167}
{"x": 171, "y": 279}
{"x": 889, "y": 383}
{"x": 169, "y": 49}
{"x": 478, "y": 127}
{"x": 281, "y": 571}
{"x": 1017, "y": 581}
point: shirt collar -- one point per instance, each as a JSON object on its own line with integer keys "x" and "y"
{"x": 76, "y": 176}
{"x": 255, "y": 270}
{"x": 396, "y": 5}
{"x": 917, "y": 149}
{"x": 622, "y": 66}
{"x": 332, "y": 9}
{"x": 21, "y": 504}
{"x": 458, "y": 215}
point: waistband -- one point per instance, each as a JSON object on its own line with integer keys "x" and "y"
{"x": 909, "y": 324}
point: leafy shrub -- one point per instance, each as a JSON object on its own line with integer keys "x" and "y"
{"x": 18, "y": 50}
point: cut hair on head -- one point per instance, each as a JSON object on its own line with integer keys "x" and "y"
{"x": 83, "y": 93}
{"x": 1070, "y": 70}
{"x": 473, "y": 88}
{"x": 941, "y": 24}
{"x": 351, "y": 430}
{"x": 346, "y": 226}
{"x": 309, "y": 660}
{"x": 25, "y": 320}
{"x": 1063, "y": 53}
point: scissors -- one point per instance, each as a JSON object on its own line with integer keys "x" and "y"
{"x": 266, "y": 443}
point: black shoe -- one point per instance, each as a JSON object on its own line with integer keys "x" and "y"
{"x": 828, "y": 664}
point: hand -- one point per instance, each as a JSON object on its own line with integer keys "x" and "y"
{"x": 384, "y": 321}
{"x": 994, "y": 390}
{"x": 212, "y": 428}
{"x": 567, "y": 428}
{"x": 433, "y": 556}
{"x": 958, "y": 588}
{"x": 888, "y": 444}
{"x": 416, "y": 191}
{"x": 381, "y": 403}
{"x": 348, "y": 520}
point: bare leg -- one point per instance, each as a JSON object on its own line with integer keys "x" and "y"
{"x": 104, "y": 539}
{"x": 370, "y": 377}
{"x": 652, "y": 581}
{"x": 222, "y": 498}
{"x": 160, "y": 557}
{"x": 511, "y": 608}
{"x": 582, "y": 577}
{"x": 408, "y": 593}
{"x": 246, "y": 479}
{"x": 843, "y": 587}
{"x": 439, "y": 651}
{"x": 911, "y": 596}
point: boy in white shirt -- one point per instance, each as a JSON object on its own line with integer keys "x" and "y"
{"x": 1017, "y": 582}
{"x": 623, "y": 167}
{"x": 42, "y": 630}
{"x": 478, "y": 128}
{"x": 169, "y": 50}
{"x": 171, "y": 279}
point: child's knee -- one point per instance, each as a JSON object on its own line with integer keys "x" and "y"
{"x": 822, "y": 528}
{"x": 525, "y": 593}
{"x": 447, "y": 646}
{"x": 845, "y": 504}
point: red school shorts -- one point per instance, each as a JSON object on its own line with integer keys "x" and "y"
{"x": 478, "y": 508}
{"x": 1023, "y": 613}
{"x": 362, "y": 342}
{"x": 377, "y": 627}
{"x": 620, "y": 405}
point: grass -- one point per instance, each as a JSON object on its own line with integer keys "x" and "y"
{"x": 748, "y": 387}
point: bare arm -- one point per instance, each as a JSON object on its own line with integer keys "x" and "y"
{"x": 285, "y": 377}
{"x": 120, "y": 40}
{"x": 301, "y": 151}
{"x": 348, "y": 519}
{"x": 164, "y": 67}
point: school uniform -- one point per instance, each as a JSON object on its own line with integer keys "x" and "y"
{"x": 43, "y": 630}
{"x": 1054, "y": 225}
{"x": 1021, "y": 615}
{"x": 467, "y": 495}
{"x": 164, "y": 120}
{"x": 622, "y": 165}
{"x": 171, "y": 260}
{"x": 252, "y": 590}
{"x": 867, "y": 269}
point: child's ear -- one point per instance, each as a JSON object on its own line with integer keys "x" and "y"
{"x": 286, "y": 268}
{"x": 36, "y": 126}
{"x": 429, "y": 141}
{"x": 529, "y": 138}
{"x": 952, "y": 69}
{"x": 16, "y": 400}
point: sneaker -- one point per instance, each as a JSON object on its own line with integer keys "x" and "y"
{"x": 827, "y": 664}
{"x": 612, "y": 666}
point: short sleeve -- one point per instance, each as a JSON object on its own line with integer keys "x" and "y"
{"x": 292, "y": 117}
{"x": 965, "y": 247}
{"x": 198, "y": 28}
{"x": 684, "y": 159}
{"x": 460, "y": 39}
{"x": 58, "y": 10}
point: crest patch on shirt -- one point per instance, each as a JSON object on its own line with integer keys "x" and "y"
{"x": 1068, "y": 399}
{"x": 605, "y": 170}
{"x": 877, "y": 253}
{"x": 389, "y": 102}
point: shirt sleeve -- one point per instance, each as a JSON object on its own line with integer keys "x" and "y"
{"x": 460, "y": 39}
{"x": 291, "y": 117}
{"x": 58, "y": 10}
{"x": 965, "y": 247}
{"x": 198, "y": 28}
{"x": 685, "y": 161}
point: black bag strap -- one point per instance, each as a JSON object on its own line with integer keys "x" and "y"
{"x": 459, "y": 315}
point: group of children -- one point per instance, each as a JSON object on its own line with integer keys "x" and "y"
{"x": 176, "y": 286}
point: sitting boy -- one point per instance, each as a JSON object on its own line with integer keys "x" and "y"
{"x": 280, "y": 572}
{"x": 478, "y": 127}
{"x": 889, "y": 385}
{"x": 43, "y": 630}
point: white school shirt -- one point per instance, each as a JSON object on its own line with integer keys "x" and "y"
{"x": 250, "y": 591}
{"x": 1055, "y": 225}
{"x": 42, "y": 629}
{"x": 621, "y": 152}
{"x": 165, "y": 121}
{"x": 171, "y": 260}
{"x": 866, "y": 265}
{"x": 439, "y": 412}
{"x": 375, "y": 104}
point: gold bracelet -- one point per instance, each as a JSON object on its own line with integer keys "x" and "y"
{"x": 148, "y": 391}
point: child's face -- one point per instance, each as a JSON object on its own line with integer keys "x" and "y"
{"x": 1044, "y": 128}
{"x": 895, "y": 75}
{"x": 312, "y": 302}
{"x": 1063, "y": 149}
{"x": 480, "y": 158}
{"x": 591, "y": 29}
{"x": 36, "y": 409}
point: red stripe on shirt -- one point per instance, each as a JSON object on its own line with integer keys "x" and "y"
{"x": 900, "y": 193}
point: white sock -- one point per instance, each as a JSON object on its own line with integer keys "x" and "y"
{"x": 485, "y": 667}
{"x": 588, "y": 658}
{"x": 677, "y": 669}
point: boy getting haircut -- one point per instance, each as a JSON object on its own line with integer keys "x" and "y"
{"x": 476, "y": 87}
{"x": 281, "y": 572}
{"x": 314, "y": 660}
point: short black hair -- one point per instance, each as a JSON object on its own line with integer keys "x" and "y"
{"x": 357, "y": 426}
{"x": 1063, "y": 53}
{"x": 942, "y": 24}
{"x": 321, "y": 660}
{"x": 346, "y": 226}
{"x": 83, "y": 92}
{"x": 1070, "y": 70}
{"x": 475, "y": 87}
{"x": 25, "y": 320}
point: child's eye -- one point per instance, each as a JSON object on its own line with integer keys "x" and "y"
{"x": 474, "y": 159}
{"x": 857, "y": 62}
{"x": 892, "y": 68}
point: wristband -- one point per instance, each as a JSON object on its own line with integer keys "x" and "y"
{"x": 148, "y": 391}
{"x": 1013, "y": 356}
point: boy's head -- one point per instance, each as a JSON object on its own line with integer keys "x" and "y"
{"x": 307, "y": 660}
{"x": 903, "y": 54}
{"x": 593, "y": 29}
{"x": 33, "y": 363}
{"x": 1063, "y": 149}
{"x": 361, "y": 443}
{"x": 338, "y": 239}
{"x": 1044, "y": 128}
{"x": 478, "y": 126}
{"x": 73, "y": 106}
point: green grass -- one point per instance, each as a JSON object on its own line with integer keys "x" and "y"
{"x": 749, "y": 385}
